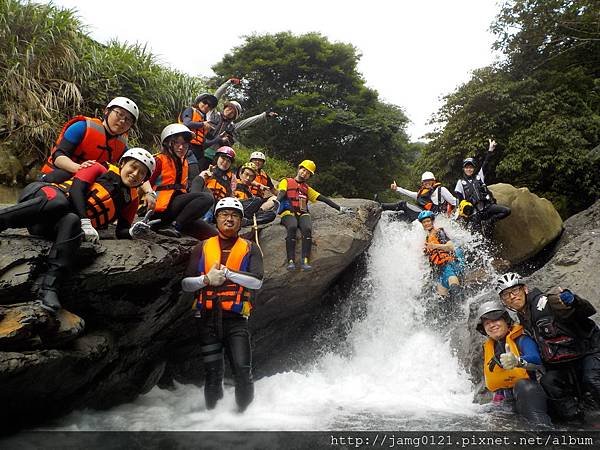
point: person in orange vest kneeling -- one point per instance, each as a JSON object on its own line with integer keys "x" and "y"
{"x": 224, "y": 270}
{"x": 510, "y": 361}
{"x": 294, "y": 195}
{"x": 174, "y": 204}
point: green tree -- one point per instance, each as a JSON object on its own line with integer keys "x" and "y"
{"x": 542, "y": 105}
{"x": 326, "y": 112}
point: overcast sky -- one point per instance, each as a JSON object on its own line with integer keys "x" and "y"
{"x": 413, "y": 52}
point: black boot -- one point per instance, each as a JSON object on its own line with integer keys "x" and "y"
{"x": 213, "y": 383}
{"x": 290, "y": 248}
{"x": 455, "y": 293}
{"x": 244, "y": 394}
{"x": 60, "y": 261}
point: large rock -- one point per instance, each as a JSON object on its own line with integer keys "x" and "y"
{"x": 138, "y": 326}
{"x": 533, "y": 224}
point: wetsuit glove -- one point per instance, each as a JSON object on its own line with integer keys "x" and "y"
{"x": 346, "y": 210}
{"x": 89, "y": 232}
{"x": 509, "y": 360}
{"x": 567, "y": 297}
{"x": 138, "y": 228}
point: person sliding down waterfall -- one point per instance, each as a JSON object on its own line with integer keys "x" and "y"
{"x": 441, "y": 253}
{"x": 229, "y": 268}
{"x": 511, "y": 360}
{"x": 432, "y": 196}
{"x": 294, "y": 195}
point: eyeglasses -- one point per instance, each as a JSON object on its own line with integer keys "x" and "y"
{"x": 123, "y": 116}
{"x": 183, "y": 144}
{"x": 508, "y": 293}
{"x": 228, "y": 215}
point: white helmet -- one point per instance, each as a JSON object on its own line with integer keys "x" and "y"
{"x": 236, "y": 106}
{"x": 258, "y": 155}
{"x": 508, "y": 280}
{"x": 229, "y": 203}
{"x": 427, "y": 176}
{"x": 491, "y": 310}
{"x": 173, "y": 129}
{"x": 142, "y": 156}
{"x": 126, "y": 104}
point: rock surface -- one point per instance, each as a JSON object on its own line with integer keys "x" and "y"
{"x": 533, "y": 224}
{"x": 138, "y": 327}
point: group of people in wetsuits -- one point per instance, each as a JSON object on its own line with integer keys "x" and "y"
{"x": 92, "y": 179}
{"x": 546, "y": 366}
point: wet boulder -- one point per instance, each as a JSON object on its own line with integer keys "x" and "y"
{"x": 533, "y": 224}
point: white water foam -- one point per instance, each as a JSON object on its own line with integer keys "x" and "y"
{"x": 395, "y": 369}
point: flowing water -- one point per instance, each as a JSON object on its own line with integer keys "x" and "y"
{"x": 396, "y": 369}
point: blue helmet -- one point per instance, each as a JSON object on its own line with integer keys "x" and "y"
{"x": 425, "y": 215}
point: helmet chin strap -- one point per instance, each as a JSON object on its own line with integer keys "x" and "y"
{"x": 110, "y": 131}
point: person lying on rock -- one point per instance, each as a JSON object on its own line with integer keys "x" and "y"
{"x": 178, "y": 210}
{"x": 95, "y": 197}
{"x": 86, "y": 140}
{"x": 442, "y": 256}
{"x": 432, "y": 196}
{"x": 511, "y": 360}
{"x": 224, "y": 270}
{"x": 472, "y": 188}
{"x": 568, "y": 339}
{"x": 265, "y": 209}
{"x": 294, "y": 195}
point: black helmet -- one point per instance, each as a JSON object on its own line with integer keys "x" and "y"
{"x": 468, "y": 161}
{"x": 210, "y": 99}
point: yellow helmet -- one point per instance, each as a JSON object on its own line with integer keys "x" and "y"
{"x": 308, "y": 165}
{"x": 465, "y": 208}
{"x": 249, "y": 165}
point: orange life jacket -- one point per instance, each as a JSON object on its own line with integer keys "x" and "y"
{"x": 173, "y": 178}
{"x": 106, "y": 197}
{"x": 95, "y": 145}
{"x": 495, "y": 376}
{"x": 438, "y": 257}
{"x": 297, "y": 194}
{"x": 229, "y": 296}
{"x": 197, "y": 116}
{"x": 261, "y": 178}
{"x": 243, "y": 191}
{"x": 220, "y": 186}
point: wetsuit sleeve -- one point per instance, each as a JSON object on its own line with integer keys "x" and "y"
{"x": 82, "y": 180}
{"x": 529, "y": 350}
{"x": 484, "y": 165}
{"x": 246, "y": 123}
{"x": 186, "y": 118}
{"x": 406, "y": 192}
{"x": 222, "y": 89}
{"x": 70, "y": 140}
{"x": 313, "y": 195}
{"x": 328, "y": 201}
{"x": 282, "y": 187}
{"x": 580, "y": 308}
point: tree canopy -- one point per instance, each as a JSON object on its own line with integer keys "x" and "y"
{"x": 541, "y": 103}
{"x": 327, "y": 114}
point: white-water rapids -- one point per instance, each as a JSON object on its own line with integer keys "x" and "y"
{"x": 396, "y": 370}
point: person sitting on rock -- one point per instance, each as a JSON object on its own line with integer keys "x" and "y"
{"x": 294, "y": 195}
{"x": 95, "y": 197}
{"x": 224, "y": 270}
{"x": 264, "y": 209}
{"x": 85, "y": 140}
{"x": 442, "y": 256}
{"x": 511, "y": 360}
{"x": 568, "y": 339}
{"x": 178, "y": 209}
{"x": 432, "y": 196}
{"x": 262, "y": 185}
{"x": 472, "y": 188}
